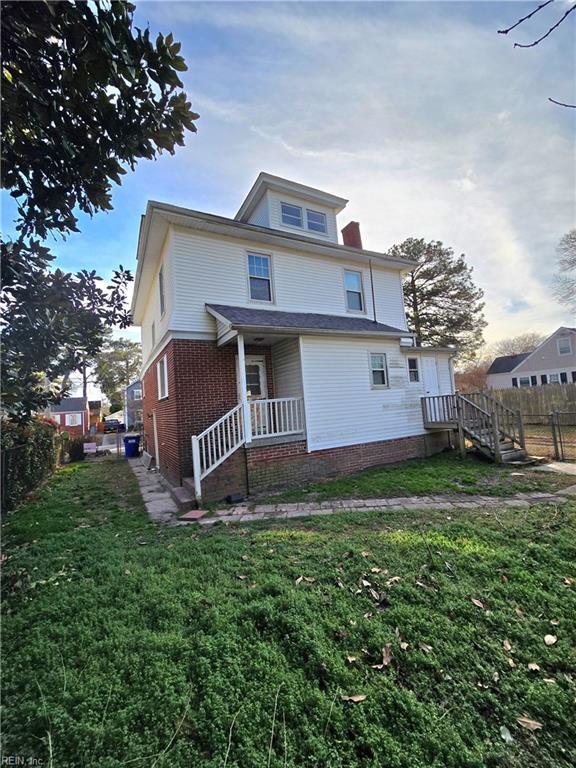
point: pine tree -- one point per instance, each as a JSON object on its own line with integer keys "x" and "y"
{"x": 443, "y": 305}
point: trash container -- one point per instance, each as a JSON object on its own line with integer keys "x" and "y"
{"x": 132, "y": 446}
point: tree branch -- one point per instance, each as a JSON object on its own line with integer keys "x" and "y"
{"x": 535, "y": 11}
{"x": 531, "y": 45}
{"x": 561, "y": 103}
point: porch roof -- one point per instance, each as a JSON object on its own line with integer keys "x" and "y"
{"x": 246, "y": 318}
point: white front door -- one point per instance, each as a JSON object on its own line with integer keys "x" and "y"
{"x": 430, "y": 376}
{"x": 256, "y": 383}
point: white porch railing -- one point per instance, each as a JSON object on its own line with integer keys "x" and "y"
{"x": 277, "y": 417}
{"x": 267, "y": 418}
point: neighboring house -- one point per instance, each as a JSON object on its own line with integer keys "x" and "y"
{"x": 286, "y": 352}
{"x": 95, "y": 408}
{"x": 72, "y": 415}
{"x": 133, "y": 413}
{"x": 552, "y": 362}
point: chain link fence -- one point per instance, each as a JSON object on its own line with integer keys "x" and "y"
{"x": 563, "y": 429}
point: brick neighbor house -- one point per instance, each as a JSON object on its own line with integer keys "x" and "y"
{"x": 72, "y": 415}
{"x": 273, "y": 354}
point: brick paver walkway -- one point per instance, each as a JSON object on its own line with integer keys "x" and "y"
{"x": 244, "y": 513}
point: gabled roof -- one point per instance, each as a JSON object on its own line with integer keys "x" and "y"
{"x": 70, "y": 405}
{"x": 266, "y": 181}
{"x": 246, "y": 317}
{"x": 507, "y": 363}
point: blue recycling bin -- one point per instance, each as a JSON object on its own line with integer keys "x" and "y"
{"x": 132, "y": 446}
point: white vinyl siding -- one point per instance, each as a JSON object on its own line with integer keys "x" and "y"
{"x": 302, "y": 283}
{"x": 153, "y": 312}
{"x": 261, "y": 216}
{"x": 162, "y": 376}
{"x": 275, "y": 200}
{"x": 286, "y": 370}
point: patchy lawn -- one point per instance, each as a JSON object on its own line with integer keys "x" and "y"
{"x": 443, "y": 473}
{"x": 126, "y": 644}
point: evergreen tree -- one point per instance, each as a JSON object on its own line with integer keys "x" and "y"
{"x": 443, "y": 305}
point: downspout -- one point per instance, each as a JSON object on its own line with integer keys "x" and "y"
{"x": 372, "y": 288}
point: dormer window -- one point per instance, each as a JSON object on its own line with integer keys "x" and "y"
{"x": 291, "y": 215}
{"x": 316, "y": 221}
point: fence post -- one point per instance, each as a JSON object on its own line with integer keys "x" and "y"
{"x": 496, "y": 433}
{"x": 197, "y": 469}
{"x": 460, "y": 418}
{"x": 521, "y": 438}
{"x": 552, "y": 419}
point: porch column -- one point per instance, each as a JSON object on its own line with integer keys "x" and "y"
{"x": 244, "y": 390}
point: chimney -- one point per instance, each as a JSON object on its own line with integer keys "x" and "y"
{"x": 351, "y": 235}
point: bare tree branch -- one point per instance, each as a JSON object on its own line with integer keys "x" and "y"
{"x": 561, "y": 103}
{"x": 505, "y": 31}
{"x": 531, "y": 45}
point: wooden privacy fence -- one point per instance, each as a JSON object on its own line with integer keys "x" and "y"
{"x": 533, "y": 401}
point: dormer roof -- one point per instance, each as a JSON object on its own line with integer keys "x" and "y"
{"x": 266, "y": 181}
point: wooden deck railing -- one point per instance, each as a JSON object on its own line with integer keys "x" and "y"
{"x": 439, "y": 409}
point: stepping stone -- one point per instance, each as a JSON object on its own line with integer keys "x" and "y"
{"x": 193, "y": 515}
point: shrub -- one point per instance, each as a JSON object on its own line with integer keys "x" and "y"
{"x": 29, "y": 455}
{"x": 76, "y": 449}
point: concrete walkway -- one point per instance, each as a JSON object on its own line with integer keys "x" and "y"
{"x": 160, "y": 506}
{"x": 246, "y": 514}
{"x": 564, "y": 467}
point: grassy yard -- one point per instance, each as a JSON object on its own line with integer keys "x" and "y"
{"x": 444, "y": 473}
{"x": 126, "y": 644}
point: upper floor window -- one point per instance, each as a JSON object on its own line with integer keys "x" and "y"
{"x": 162, "y": 376}
{"x": 564, "y": 345}
{"x": 316, "y": 221}
{"x": 161, "y": 290}
{"x": 259, "y": 277}
{"x": 413, "y": 372}
{"x": 378, "y": 370}
{"x": 136, "y": 394}
{"x": 354, "y": 293}
{"x": 291, "y": 215}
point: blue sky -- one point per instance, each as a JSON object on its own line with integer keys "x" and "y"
{"x": 431, "y": 123}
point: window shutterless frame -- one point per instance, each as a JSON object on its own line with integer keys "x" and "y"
{"x": 378, "y": 370}
{"x": 354, "y": 291}
{"x": 162, "y": 377}
{"x": 316, "y": 221}
{"x": 564, "y": 345}
{"x": 291, "y": 215}
{"x": 259, "y": 277}
{"x": 413, "y": 370}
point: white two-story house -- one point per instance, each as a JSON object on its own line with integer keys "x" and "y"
{"x": 273, "y": 353}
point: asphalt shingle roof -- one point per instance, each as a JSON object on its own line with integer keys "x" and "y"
{"x": 507, "y": 363}
{"x": 69, "y": 405}
{"x": 267, "y": 318}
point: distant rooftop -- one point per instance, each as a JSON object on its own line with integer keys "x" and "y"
{"x": 507, "y": 363}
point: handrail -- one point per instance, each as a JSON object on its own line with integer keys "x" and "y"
{"x": 277, "y": 416}
{"x": 215, "y": 444}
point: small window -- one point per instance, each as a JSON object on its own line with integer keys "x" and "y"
{"x": 73, "y": 419}
{"x": 316, "y": 221}
{"x": 524, "y": 381}
{"x": 354, "y": 293}
{"x": 378, "y": 371}
{"x": 259, "y": 277}
{"x": 136, "y": 394}
{"x": 554, "y": 378}
{"x": 162, "y": 374}
{"x": 574, "y": 376}
{"x": 291, "y": 215}
{"x": 563, "y": 378}
{"x": 153, "y": 333}
{"x": 544, "y": 378}
{"x": 413, "y": 372}
{"x": 161, "y": 290}
{"x": 514, "y": 381}
{"x": 564, "y": 345}
{"x": 533, "y": 381}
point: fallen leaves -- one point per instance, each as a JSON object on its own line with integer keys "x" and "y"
{"x": 478, "y": 603}
{"x": 533, "y": 667}
{"x": 355, "y": 698}
{"x": 386, "y": 657}
{"x": 527, "y": 722}
{"x": 550, "y": 639}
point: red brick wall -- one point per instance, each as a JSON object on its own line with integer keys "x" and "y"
{"x": 78, "y": 431}
{"x": 201, "y": 388}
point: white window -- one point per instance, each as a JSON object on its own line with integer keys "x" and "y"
{"x": 161, "y": 290}
{"x": 316, "y": 221}
{"x": 413, "y": 371}
{"x": 259, "y": 277}
{"x": 136, "y": 394}
{"x": 354, "y": 292}
{"x": 291, "y": 215}
{"x": 153, "y": 333}
{"x": 73, "y": 419}
{"x": 162, "y": 374}
{"x": 554, "y": 378}
{"x": 564, "y": 345}
{"x": 378, "y": 370}
{"x": 524, "y": 381}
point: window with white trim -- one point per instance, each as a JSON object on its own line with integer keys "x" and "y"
{"x": 259, "y": 277}
{"x": 291, "y": 215}
{"x": 524, "y": 381}
{"x": 564, "y": 345}
{"x": 136, "y": 394}
{"x": 73, "y": 419}
{"x": 161, "y": 291}
{"x": 554, "y": 378}
{"x": 378, "y": 369}
{"x": 354, "y": 291}
{"x": 162, "y": 375}
{"x": 316, "y": 221}
{"x": 413, "y": 370}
